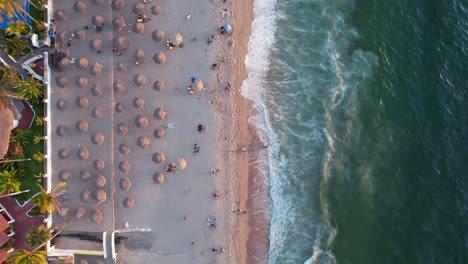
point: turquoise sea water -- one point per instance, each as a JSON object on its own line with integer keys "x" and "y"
{"x": 365, "y": 105}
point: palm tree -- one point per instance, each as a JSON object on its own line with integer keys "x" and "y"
{"x": 22, "y": 256}
{"x": 12, "y": 7}
{"x": 38, "y": 235}
{"x": 30, "y": 89}
{"x": 9, "y": 76}
{"x": 17, "y": 28}
{"x": 15, "y": 47}
{"x": 9, "y": 181}
{"x": 48, "y": 202}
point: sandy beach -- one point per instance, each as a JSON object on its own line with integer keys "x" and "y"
{"x": 118, "y": 98}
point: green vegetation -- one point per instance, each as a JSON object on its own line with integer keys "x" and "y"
{"x": 31, "y": 89}
{"x": 48, "y": 202}
{"x": 16, "y": 47}
{"x": 9, "y": 181}
{"x": 36, "y": 10}
{"x": 22, "y": 256}
{"x": 38, "y": 236}
{"x": 17, "y": 28}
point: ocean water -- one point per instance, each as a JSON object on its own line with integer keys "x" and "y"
{"x": 365, "y": 105}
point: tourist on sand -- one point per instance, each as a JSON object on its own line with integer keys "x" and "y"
{"x": 201, "y": 128}
{"x": 217, "y": 250}
{"x": 196, "y": 148}
{"x": 216, "y": 194}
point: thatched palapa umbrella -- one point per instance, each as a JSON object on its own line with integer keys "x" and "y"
{"x": 159, "y": 157}
{"x": 82, "y": 63}
{"x": 95, "y": 216}
{"x": 138, "y": 8}
{"x": 143, "y": 142}
{"x": 100, "y": 181}
{"x": 63, "y": 153}
{"x": 120, "y": 108}
{"x": 83, "y": 261}
{"x": 124, "y": 149}
{"x": 182, "y": 163}
{"x": 158, "y": 178}
{"x": 121, "y": 67}
{"x": 95, "y": 44}
{"x": 64, "y": 175}
{"x": 159, "y": 133}
{"x": 120, "y": 43}
{"x": 97, "y": 20}
{"x": 138, "y": 102}
{"x": 82, "y": 126}
{"x": 82, "y": 102}
{"x": 85, "y": 175}
{"x": 138, "y": 28}
{"x": 157, "y": 35}
{"x": 63, "y": 63}
{"x": 82, "y": 154}
{"x": 81, "y": 81}
{"x": 100, "y": 195}
{"x": 159, "y": 58}
{"x": 80, "y": 6}
{"x": 140, "y": 79}
{"x": 160, "y": 113}
{"x": 99, "y": 164}
{"x": 122, "y": 128}
{"x": 61, "y": 81}
{"x": 61, "y": 104}
{"x": 97, "y": 112}
{"x": 119, "y": 87}
{"x": 96, "y": 90}
{"x": 97, "y": 138}
{"x": 139, "y": 56}
{"x": 64, "y": 212}
{"x": 80, "y": 213}
{"x": 118, "y": 22}
{"x": 156, "y": 10}
{"x": 117, "y": 4}
{"x": 85, "y": 195}
{"x": 96, "y": 70}
{"x": 141, "y": 121}
{"x": 125, "y": 184}
{"x": 124, "y": 166}
{"x": 60, "y": 15}
{"x": 177, "y": 39}
{"x": 158, "y": 85}
{"x": 80, "y": 34}
{"x": 128, "y": 202}
{"x": 62, "y": 131}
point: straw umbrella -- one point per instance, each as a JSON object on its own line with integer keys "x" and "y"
{"x": 97, "y": 20}
{"x": 82, "y": 102}
{"x": 159, "y": 157}
{"x": 122, "y": 128}
{"x": 61, "y": 104}
{"x": 117, "y": 4}
{"x": 124, "y": 166}
{"x": 160, "y": 113}
{"x": 124, "y": 149}
{"x": 85, "y": 195}
{"x": 82, "y": 126}
{"x": 82, "y": 261}
{"x": 62, "y": 37}
{"x": 156, "y": 10}
{"x": 63, "y": 153}
{"x": 119, "y": 87}
{"x": 177, "y": 39}
{"x": 80, "y": 34}
{"x": 99, "y": 164}
{"x": 138, "y": 8}
{"x": 158, "y": 85}
{"x": 159, "y": 58}
{"x": 80, "y": 213}
{"x": 125, "y": 184}
{"x": 61, "y": 131}
{"x": 159, "y": 133}
{"x": 140, "y": 79}
{"x": 143, "y": 142}
{"x": 182, "y": 163}
{"x": 138, "y": 28}
{"x": 64, "y": 175}
{"x": 97, "y": 138}
{"x": 128, "y": 202}
{"x": 81, "y": 81}
{"x": 118, "y": 22}
{"x": 141, "y": 121}
{"x": 100, "y": 195}
{"x": 157, "y": 35}
{"x": 82, "y": 63}
{"x": 61, "y": 81}
{"x": 80, "y": 6}
{"x": 82, "y": 154}
{"x": 64, "y": 212}
{"x": 95, "y": 44}
{"x": 96, "y": 90}
{"x": 63, "y": 63}
{"x": 121, "y": 66}
{"x": 158, "y": 178}
{"x": 97, "y": 112}
{"x": 96, "y": 70}
{"x": 120, "y": 108}
{"x": 95, "y": 216}
{"x": 199, "y": 85}
{"x": 60, "y": 15}
{"x": 139, "y": 56}
{"x": 138, "y": 102}
{"x": 100, "y": 181}
{"x": 120, "y": 43}
{"x": 85, "y": 175}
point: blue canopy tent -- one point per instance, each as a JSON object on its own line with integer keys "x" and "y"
{"x": 18, "y": 16}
